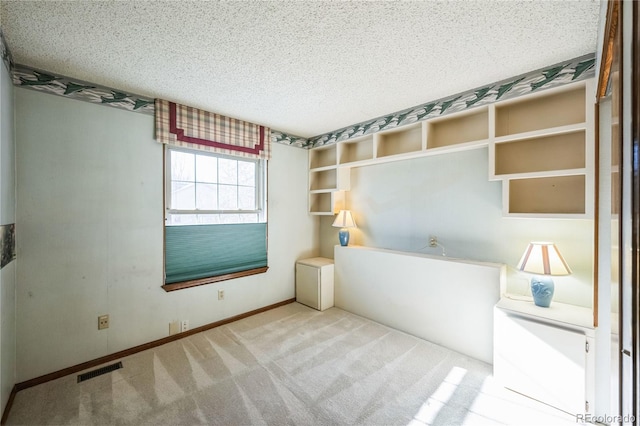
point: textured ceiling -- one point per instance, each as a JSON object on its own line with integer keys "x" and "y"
{"x": 304, "y": 67}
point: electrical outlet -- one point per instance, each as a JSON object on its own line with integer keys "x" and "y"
{"x": 220, "y": 294}
{"x": 184, "y": 326}
{"x": 433, "y": 241}
{"x": 103, "y": 322}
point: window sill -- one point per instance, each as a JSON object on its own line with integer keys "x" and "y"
{"x": 212, "y": 280}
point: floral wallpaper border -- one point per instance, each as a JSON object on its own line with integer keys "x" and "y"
{"x": 286, "y": 139}
{"x": 60, "y": 85}
{"x": 7, "y": 232}
{"x": 7, "y": 244}
{"x": 553, "y": 76}
{"x": 556, "y": 75}
{"x": 6, "y": 54}
{"x": 56, "y": 84}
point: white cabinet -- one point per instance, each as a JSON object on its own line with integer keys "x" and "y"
{"x": 545, "y": 353}
{"x": 314, "y": 282}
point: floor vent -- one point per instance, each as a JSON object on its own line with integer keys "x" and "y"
{"x": 98, "y": 372}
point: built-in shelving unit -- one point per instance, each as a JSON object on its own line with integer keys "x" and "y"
{"x": 554, "y": 195}
{"x": 355, "y": 150}
{"x": 327, "y": 181}
{"x": 541, "y": 146}
{"x": 322, "y": 157}
{"x": 323, "y": 179}
{"x": 326, "y": 203}
{"x": 462, "y": 128}
{"x": 400, "y": 141}
{"x": 541, "y": 111}
{"x": 543, "y": 153}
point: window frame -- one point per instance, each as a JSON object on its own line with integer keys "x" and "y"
{"x": 261, "y": 211}
{"x": 261, "y": 186}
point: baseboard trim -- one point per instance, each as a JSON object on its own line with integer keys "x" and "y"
{"x": 121, "y": 354}
{"x": 7, "y": 407}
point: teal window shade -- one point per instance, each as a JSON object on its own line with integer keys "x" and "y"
{"x": 201, "y": 251}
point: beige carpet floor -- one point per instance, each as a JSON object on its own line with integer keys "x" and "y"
{"x": 289, "y": 366}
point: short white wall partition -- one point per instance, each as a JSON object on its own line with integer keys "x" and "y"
{"x": 443, "y": 300}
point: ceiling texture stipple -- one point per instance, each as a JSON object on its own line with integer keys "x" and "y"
{"x": 304, "y": 67}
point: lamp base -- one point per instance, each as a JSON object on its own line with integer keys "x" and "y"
{"x": 343, "y": 236}
{"x": 542, "y": 288}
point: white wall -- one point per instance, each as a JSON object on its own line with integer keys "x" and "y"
{"x": 398, "y": 205}
{"x": 7, "y": 216}
{"x": 438, "y": 299}
{"x": 90, "y": 217}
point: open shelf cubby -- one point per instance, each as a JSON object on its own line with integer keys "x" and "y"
{"x": 326, "y": 203}
{"x": 320, "y": 203}
{"x": 554, "y": 152}
{"x": 323, "y": 156}
{"x": 360, "y": 149}
{"x": 452, "y": 130}
{"x": 323, "y": 179}
{"x": 541, "y": 112}
{"x": 403, "y": 140}
{"x": 548, "y": 195}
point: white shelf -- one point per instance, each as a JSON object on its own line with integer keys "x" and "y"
{"x": 561, "y": 314}
{"x": 531, "y": 175}
{"x": 554, "y": 195}
{"x": 538, "y": 142}
{"x": 400, "y": 141}
{"x": 571, "y": 128}
{"x": 550, "y": 109}
{"x": 355, "y": 150}
{"x": 455, "y": 129}
{"x": 322, "y": 157}
{"x": 543, "y": 153}
{"x": 322, "y": 169}
{"x": 326, "y": 202}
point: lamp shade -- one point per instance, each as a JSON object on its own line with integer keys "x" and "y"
{"x": 543, "y": 259}
{"x": 344, "y": 220}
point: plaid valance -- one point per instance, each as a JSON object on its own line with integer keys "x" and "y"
{"x": 193, "y": 128}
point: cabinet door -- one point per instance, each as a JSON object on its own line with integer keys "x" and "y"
{"x": 541, "y": 361}
{"x": 308, "y": 285}
{"x": 326, "y": 287}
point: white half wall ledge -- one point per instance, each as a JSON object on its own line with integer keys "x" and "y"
{"x": 443, "y": 300}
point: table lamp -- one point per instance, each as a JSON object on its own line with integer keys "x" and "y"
{"x": 344, "y": 220}
{"x": 544, "y": 260}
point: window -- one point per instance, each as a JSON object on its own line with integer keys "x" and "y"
{"x": 206, "y": 188}
{"x": 215, "y": 224}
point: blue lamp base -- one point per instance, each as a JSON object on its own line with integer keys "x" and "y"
{"x": 343, "y": 236}
{"x": 542, "y": 290}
